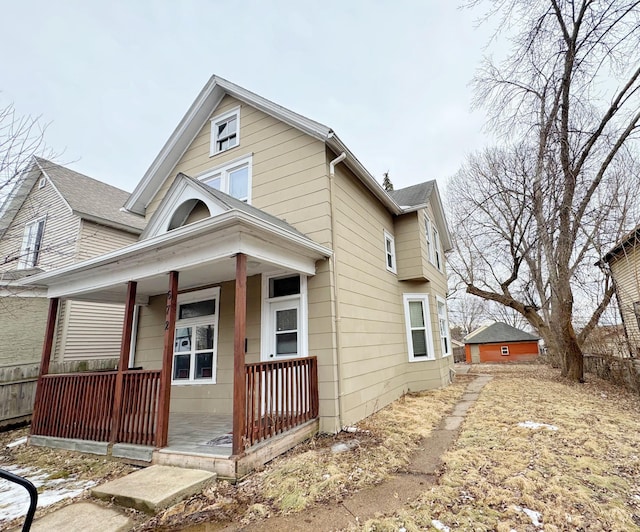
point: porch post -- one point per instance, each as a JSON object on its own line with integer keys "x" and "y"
{"x": 162, "y": 432}
{"x": 48, "y": 335}
{"x": 46, "y": 356}
{"x": 125, "y": 346}
{"x": 239, "y": 386}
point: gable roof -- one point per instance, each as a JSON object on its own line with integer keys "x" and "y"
{"x": 498, "y": 332}
{"x": 417, "y": 197}
{"x": 197, "y": 116}
{"x": 414, "y": 195}
{"x": 86, "y": 197}
{"x": 219, "y": 198}
{"x": 90, "y": 198}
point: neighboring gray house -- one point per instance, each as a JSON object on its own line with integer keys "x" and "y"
{"x": 54, "y": 218}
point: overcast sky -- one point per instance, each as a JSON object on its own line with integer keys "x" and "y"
{"x": 114, "y": 78}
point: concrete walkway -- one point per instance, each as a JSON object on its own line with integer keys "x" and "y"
{"x": 391, "y": 495}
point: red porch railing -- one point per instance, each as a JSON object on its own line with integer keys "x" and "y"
{"x": 280, "y": 396}
{"x": 75, "y": 405}
{"x": 80, "y": 406}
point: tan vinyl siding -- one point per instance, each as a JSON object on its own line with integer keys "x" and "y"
{"x": 410, "y": 241}
{"x": 89, "y": 331}
{"x": 95, "y": 239}
{"x": 289, "y": 172}
{"x": 375, "y": 368}
{"x": 60, "y": 230}
{"x": 212, "y": 398}
{"x": 22, "y": 329}
{"x": 438, "y": 277}
{"x": 626, "y": 274}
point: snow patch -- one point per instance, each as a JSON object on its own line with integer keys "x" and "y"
{"x": 535, "y": 425}
{"x": 21, "y": 441}
{"x": 440, "y": 525}
{"x": 531, "y": 514}
{"x": 14, "y": 499}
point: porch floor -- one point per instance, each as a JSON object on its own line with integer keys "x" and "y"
{"x": 192, "y": 433}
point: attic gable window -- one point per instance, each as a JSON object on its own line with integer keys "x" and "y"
{"x": 225, "y": 131}
{"x": 31, "y": 244}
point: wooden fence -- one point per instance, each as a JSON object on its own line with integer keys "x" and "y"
{"x": 280, "y": 396}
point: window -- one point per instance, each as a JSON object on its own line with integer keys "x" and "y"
{"x": 43, "y": 182}
{"x": 436, "y": 248}
{"x": 427, "y": 232}
{"x": 390, "y": 252}
{"x": 504, "y": 350}
{"x": 196, "y": 339}
{"x": 31, "y": 244}
{"x": 636, "y": 311}
{"x": 284, "y": 317}
{"x": 443, "y": 322}
{"x": 233, "y": 178}
{"x": 416, "y": 315}
{"x": 225, "y": 131}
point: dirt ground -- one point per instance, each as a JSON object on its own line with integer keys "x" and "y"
{"x": 534, "y": 452}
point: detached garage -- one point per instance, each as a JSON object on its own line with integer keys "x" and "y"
{"x": 500, "y": 343}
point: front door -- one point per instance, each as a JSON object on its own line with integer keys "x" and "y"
{"x": 284, "y": 329}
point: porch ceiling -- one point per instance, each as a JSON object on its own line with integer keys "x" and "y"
{"x": 203, "y": 252}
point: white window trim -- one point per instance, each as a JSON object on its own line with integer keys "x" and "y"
{"x": 265, "y": 331}
{"x": 437, "y": 255}
{"x": 424, "y": 298}
{"x": 221, "y": 118}
{"x": 504, "y": 350}
{"x": 23, "y": 259}
{"x": 191, "y": 297}
{"x": 443, "y": 302}
{"x": 389, "y": 238}
{"x": 42, "y": 183}
{"x": 429, "y": 239}
{"x": 223, "y": 171}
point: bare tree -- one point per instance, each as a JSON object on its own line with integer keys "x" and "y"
{"x": 535, "y": 215}
{"x": 466, "y": 311}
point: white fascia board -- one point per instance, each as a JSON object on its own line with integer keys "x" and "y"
{"x": 445, "y": 235}
{"x": 179, "y": 236}
{"x": 363, "y": 174}
{"x": 181, "y": 138}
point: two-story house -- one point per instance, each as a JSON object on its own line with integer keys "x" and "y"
{"x": 55, "y": 218}
{"x": 277, "y": 290}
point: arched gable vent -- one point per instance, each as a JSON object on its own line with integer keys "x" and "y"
{"x": 189, "y": 212}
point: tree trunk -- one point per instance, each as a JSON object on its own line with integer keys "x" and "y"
{"x": 574, "y": 362}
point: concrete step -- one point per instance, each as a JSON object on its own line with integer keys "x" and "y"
{"x": 85, "y": 517}
{"x": 154, "y": 488}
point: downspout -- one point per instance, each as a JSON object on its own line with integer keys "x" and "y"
{"x": 336, "y": 305}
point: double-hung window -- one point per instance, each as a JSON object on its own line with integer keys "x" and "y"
{"x": 196, "y": 337}
{"x": 225, "y": 131}
{"x": 427, "y": 232}
{"x": 416, "y": 315}
{"x": 390, "y": 252}
{"x": 233, "y": 178}
{"x": 443, "y": 323}
{"x": 31, "y": 244}
{"x": 436, "y": 248}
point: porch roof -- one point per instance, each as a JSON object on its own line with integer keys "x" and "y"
{"x": 203, "y": 252}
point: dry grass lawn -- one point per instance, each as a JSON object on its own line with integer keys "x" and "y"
{"x": 583, "y": 476}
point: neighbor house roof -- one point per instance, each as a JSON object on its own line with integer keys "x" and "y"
{"x": 90, "y": 198}
{"x": 499, "y": 332}
{"x": 628, "y": 240}
{"x": 86, "y": 197}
